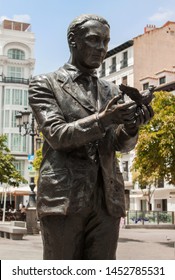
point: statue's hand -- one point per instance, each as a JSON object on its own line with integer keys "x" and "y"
{"x": 142, "y": 116}
{"x": 117, "y": 113}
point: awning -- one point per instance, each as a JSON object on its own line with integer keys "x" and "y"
{"x": 162, "y": 193}
{"x": 17, "y": 191}
{"x": 136, "y": 195}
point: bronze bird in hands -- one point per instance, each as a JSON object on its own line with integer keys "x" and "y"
{"x": 140, "y": 98}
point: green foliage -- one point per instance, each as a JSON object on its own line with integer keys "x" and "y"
{"x": 38, "y": 159}
{"x": 155, "y": 151}
{"x": 8, "y": 172}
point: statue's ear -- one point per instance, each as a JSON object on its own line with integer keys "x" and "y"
{"x": 71, "y": 39}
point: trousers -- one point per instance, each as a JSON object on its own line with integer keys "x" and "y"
{"x": 89, "y": 235}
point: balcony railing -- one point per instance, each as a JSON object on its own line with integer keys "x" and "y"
{"x": 112, "y": 68}
{"x": 15, "y": 80}
{"x": 123, "y": 63}
{"x": 102, "y": 73}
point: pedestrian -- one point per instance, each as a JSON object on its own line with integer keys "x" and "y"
{"x": 23, "y": 213}
{"x": 80, "y": 197}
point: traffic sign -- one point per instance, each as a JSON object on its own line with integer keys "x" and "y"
{"x": 30, "y": 157}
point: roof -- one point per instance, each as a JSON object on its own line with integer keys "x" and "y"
{"x": 15, "y": 25}
{"x": 148, "y": 77}
{"x": 119, "y": 48}
{"x": 156, "y": 28}
{"x": 168, "y": 23}
{"x": 165, "y": 70}
{"x": 166, "y": 87}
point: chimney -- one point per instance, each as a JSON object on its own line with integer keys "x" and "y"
{"x": 149, "y": 27}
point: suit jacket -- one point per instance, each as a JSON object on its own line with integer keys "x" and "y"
{"x": 76, "y": 145}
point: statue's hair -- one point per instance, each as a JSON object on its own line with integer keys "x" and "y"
{"x": 77, "y": 23}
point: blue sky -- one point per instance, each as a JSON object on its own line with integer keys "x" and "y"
{"x": 50, "y": 19}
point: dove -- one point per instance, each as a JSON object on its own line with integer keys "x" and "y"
{"x": 140, "y": 98}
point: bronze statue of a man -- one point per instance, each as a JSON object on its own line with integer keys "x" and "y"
{"x": 80, "y": 197}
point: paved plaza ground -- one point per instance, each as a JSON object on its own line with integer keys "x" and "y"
{"x": 134, "y": 244}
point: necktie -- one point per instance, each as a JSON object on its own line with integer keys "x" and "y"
{"x": 90, "y": 86}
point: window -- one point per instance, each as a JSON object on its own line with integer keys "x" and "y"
{"x": 160, "y": 183}
{"x": 113, "y": 65}
{"x": 18, "y": 143}
{"x": 15, "y": 142}
{"x": 25, "y": 95}
{"x": 124, "y": 61}
{"x": 15, "y": 72}
{"x": 145, "y": 86}
{"x": 162, "y": 80}
{"x": 6, "y": 118}
{"x": 17, "y": 97}
{"x": 103, "y": 70}
{"x": 13, "y": 119}
{"x": 125, "y": 170}
{"x": 16, "y": 54}
{"x": 19, "y": 164}
{"x": 124, "y": 80}
{"x": 7, "y": 97}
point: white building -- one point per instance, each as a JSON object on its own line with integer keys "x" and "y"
{"x": 120, "y": 66}
{"x": 16, "y": 67}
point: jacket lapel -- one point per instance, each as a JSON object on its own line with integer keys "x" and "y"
{"x": 104, "y": 94}
{"x": 74, "y": 90}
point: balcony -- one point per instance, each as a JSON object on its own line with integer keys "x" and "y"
{"x": 112, "y": 68}
{"x": 14, "y": 80}
{"x": 102, "y": 73}
{"x": 123, "y": 63}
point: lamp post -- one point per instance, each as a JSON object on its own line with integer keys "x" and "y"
{"x": 27, "y": 128}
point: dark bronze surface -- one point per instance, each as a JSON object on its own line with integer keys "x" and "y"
{"x": 80, "y": 187}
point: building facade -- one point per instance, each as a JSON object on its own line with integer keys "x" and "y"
{"x": 154, "y": 57}
{"x": 16, "y": 67}
{"x": 118, "y": 68}
{"x": 146, "y": 60}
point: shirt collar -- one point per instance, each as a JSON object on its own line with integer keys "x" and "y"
{"x": 76, "y": 73}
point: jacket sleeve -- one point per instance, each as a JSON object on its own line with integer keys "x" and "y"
{"x": 57, "y": 132}
{"x": 124, "y": 142}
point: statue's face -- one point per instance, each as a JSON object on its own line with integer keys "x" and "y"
{"x": 92, "y": 44}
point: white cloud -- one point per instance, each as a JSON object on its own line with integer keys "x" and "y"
{"x": 162, "y": 15}
{"x": 2, "y": 18}
{"x": 21, "y": 18}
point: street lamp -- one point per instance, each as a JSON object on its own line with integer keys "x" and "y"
{"x": 27, "y": 128}
{"x": 39, "y": 143}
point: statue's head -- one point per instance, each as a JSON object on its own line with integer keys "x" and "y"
{"x": 88, "y": 36}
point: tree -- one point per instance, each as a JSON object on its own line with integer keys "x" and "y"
{"x": 155, "y": 150}
{"x": 38, "y": 159}
{"x": 8, "y": 172}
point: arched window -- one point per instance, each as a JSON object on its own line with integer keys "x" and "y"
{"x": 16, "y": 54}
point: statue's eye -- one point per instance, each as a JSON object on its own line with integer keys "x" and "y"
{"x": 92, "y": 39}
